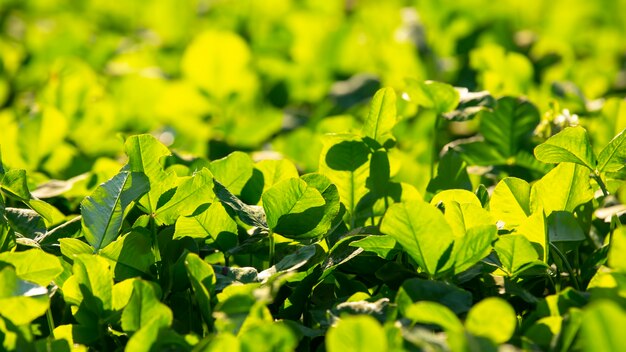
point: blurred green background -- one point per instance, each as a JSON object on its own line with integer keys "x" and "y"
{"x": 209, "y": 77}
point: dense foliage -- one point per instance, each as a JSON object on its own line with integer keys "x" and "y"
{"x": 280, "y": 175}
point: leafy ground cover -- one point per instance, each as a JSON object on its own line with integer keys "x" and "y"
{"x": 273, "y": 176}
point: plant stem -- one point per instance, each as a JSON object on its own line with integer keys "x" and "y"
{"x": 435, "y": 152}
{"x": 50, "y": 323}
{"x": 155, "y": 245}
{"x": 596, "y": 176}
{"x": 568, "y": 267}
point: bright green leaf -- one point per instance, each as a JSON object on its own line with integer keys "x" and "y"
{"x": 34, "y": 265}
{"x": 21, "y": 302}
{"x": 564, "y": 188}
{"x": 515, "y": 251}
{"x": 600, "y": 324}
{"x": 144, "y": 155}
{"x": 438, "y": 96}
{"x": 617, "y": 248}
{"x": 356, "y": 334}
{"x": 510, "y": 202}
{"x": 382, "y": 116}
{"x": 144, "y": 308}
{"x": 104, "y": 210}
{"x": 233, "y": 171}
{"x": 345, "y": 161}
{"x": 422, "y": 231}
{"x": 570, "y": 145}
{"x": 192, "y": 192}
{"x": 292, "y": 202}
{"x": 130, "y": 255}
{"x": 492, "y": 318}
{"x": 613, "y": 156}
{"x": 202, "y": 278}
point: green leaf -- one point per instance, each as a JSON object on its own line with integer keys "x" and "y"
{"x": 145, "y": 309}
{"x": 71, "y": 247}
{"x": 233, "y": 171}
{"x": 144, "y": 155}
{"x": 515, "y": 252}
{"x": 15, "y": 184}
{"x": 267, "y": 173}
{"x": 26, "y": 222}
{"x": 412, "y": 225}
{"x": 600, "y": 324}
{"x": 535, "y": 229}
{"x": 510, "y": 202}
{"x": 275, "y": 337}
{"x": 384, "y": 246}
{"x": 249, "y": 214}
{"x": 104, "y": 210}
{"x": 90, "y": 288}
{"x": 451, "y": 174}
{"x": 214, "y": 222}
{"x": 413, "y": 290}
{"x": 21, "y": 302}
{"x": 425, "y": 312}
{"x": 492, "y": 318}
{"x": 563, "y": 227}
{"x": 34, "y": 265}
{"x": 470, "y": 104}
{"x": 564, "y": 188}
{"x": 463, "y": 217}
{"x": 203, "y": 281}
{"x": 345, "y": 161}
{"x": 356, "y": 333}
{"x": 616, "y": 258}
{"x": 613, "y": 157}
{"x": 331, "y": 207}
{"x": 571, "y": 145}
{"x": 473, "y": 246}
{"x": 292, "y": 205}
{"x": 130, "y": 255}
{"x": 510, "y": 125}
{"x": 459, "y": 196}
{"x": 438, "y": 96}
{"x": 382, "y": 116}
{"x": 192, "y": 192}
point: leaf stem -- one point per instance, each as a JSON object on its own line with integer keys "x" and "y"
{"x": 596, "y": 176}
{"x": 435, "y": 152}
{"x": 155, "y": 243}
{"x": 567, "y": 265}
{"x": 50, "y": 322}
